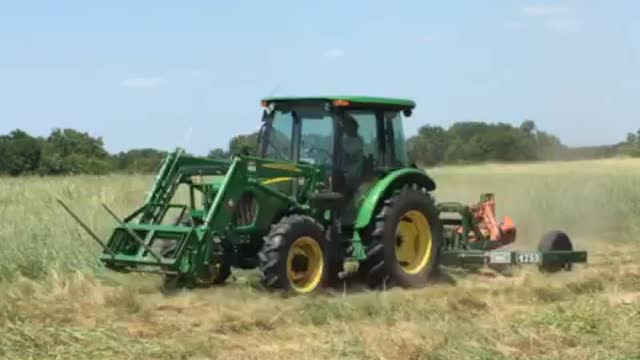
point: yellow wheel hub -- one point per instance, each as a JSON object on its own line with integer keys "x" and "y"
{"x": 413, "y": 242}
{"x": 305, "y": 264}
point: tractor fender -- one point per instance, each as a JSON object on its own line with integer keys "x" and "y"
{"x": 385, "y": 186}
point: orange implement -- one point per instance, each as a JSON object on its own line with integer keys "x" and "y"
{"x": 485, "y": 215}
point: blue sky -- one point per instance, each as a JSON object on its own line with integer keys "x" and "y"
{"x": 142, "y": 73}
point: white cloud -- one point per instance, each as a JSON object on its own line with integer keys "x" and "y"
{"x": 541, "y": 10}
{"x": 513, "y": 25}
{"x": 334, "y": 53}
{"x": 142, "y": 82}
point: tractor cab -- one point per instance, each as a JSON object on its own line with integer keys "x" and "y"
{"x": 357, "y": 140}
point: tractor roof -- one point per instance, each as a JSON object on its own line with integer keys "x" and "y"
{"x": 356, "y": 100}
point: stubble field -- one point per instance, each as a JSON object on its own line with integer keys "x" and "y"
{"x": 57, "y": 302}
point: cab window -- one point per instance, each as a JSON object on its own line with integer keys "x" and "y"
{"x": 278, "y": 145}
{"x": 396, "y": 145}
{"x": 316, "y": 136}
{"x": 366, "y": 129}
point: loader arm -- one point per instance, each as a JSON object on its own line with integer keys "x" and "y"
{"x": 150, "y": 244}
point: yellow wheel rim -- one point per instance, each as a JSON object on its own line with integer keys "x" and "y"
{"x": 305, "y": 264}
{"x": 413, "y": 242}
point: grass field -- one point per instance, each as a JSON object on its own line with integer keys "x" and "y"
{"x": 56, "y": 301}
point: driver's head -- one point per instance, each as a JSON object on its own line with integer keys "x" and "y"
{"x": 350, "y": 125}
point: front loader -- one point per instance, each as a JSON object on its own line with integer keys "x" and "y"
{"x": 328, "y": 194}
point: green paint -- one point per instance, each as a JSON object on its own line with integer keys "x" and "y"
{"x": 383, "y": 188}
{"x": 196, "y": 246}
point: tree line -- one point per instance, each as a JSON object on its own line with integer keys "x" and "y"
{"x": 69, "y": 151}
{"x": 474, "y": 142}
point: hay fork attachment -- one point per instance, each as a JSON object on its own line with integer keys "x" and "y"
{"x": 85, "y": 227}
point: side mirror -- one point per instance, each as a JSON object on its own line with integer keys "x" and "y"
{"x": 407, "y": 112}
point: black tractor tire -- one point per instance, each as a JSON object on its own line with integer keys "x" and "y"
{"x": 555, "y": 240}
{"x": 382, "y": 267}
{"x": 213, "y": 277}
{"x": 293, "y": 257}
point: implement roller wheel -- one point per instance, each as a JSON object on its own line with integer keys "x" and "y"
{"x": 405, "y": 241}
{"x": 293, "y": 257}
{"x": 555, "y": 241}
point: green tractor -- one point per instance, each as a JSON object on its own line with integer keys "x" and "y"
{"x": 328, "y": 194}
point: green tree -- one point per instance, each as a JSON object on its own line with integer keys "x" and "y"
{"x": 506, "y": 143}
{"x": 241, "y": 142}
{"x": 68, "y": 151}
{"x": 549, "y": 147}
{"x": 632, "y": 146}
{"x": 473, "y": 141}
{"x": 217, "y": 153}
{"x": 144, "y": 160}
{"x": 528, "y": 127}
{"x": 429, "y": 146}
{"x": 468, "y": 142}
{"x": 19, "y": 153}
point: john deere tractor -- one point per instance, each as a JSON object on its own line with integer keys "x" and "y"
{"x": 329, "y": 193}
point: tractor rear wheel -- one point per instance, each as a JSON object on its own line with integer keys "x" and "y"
{"x": 405, "y": 240}
{"x": 293, "y": 257}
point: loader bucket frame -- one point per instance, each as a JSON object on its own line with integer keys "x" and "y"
{"x": 133, "y": 244}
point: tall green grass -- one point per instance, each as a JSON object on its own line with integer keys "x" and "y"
{"x": 595, "y": 201}
{"x": 37, "y": 235}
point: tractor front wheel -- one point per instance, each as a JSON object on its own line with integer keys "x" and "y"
{"x": 404, "y": 244}
{"x": 214, "y": 274}
{"x": 293, "y": 256}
